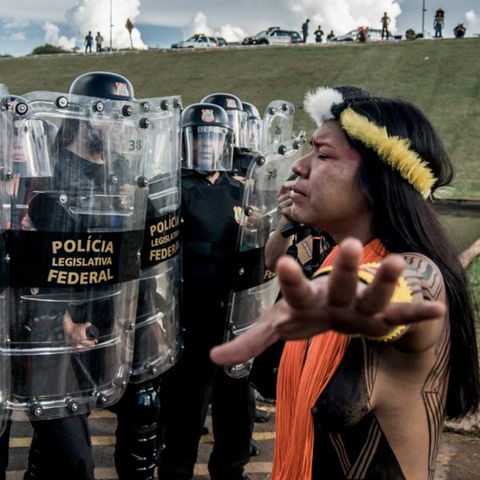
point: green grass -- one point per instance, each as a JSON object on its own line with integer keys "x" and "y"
{"x": 473, "y": 272}
{"x": 441, "y": 77}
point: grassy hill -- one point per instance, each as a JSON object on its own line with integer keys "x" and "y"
{"x": 442, "y": 77}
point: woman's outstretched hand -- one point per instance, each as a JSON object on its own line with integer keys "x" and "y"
{"x": 334, "y": 302}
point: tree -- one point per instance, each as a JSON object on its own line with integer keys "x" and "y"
{"x": 47, "y": 49}
{"x": 129, "y": 27}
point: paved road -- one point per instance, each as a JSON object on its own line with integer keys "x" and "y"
{"x": 458, "y": 459}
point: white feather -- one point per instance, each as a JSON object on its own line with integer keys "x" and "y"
{"x": 318, "y": 103}
{"x": 441, "y": 193}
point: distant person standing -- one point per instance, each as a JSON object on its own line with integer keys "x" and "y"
{"x": 99, "y": 41}
{"x": 88, "y": 42}
{"x": 330, "y": 35}
{"x": 439, "y": 22}
{"x": 385, "y": 23}
{"x": 305, "y": 30}
{"x": 318, "y": 34}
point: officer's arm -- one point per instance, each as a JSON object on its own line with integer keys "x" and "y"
{"x": 277, "y": 244}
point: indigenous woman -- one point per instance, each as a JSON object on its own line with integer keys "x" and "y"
{"x": 388, "y": 345}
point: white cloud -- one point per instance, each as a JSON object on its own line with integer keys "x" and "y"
{"x": 231, "y": 33}
{"x": 471, "y": 17}
{"x": 473, "y": 23}
{"x": 94, "y": 16}
{"x": 200, "y": 24}
{"x": 53, "y": 37}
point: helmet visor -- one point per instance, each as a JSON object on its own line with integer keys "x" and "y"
{"x": 207, "y": 148}
{"x": 237, "y": 119}
{"x": 254, "y": 134}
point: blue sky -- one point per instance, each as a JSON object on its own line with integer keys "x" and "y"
{"x": 25, "y": 24}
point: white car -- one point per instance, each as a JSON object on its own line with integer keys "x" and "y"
{"x": 374, "y": 35}
{"x": 272, "y": 36}
{"x": 197, "y": 41}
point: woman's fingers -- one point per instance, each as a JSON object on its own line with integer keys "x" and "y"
{"x": 406, "y": 313}
{"x": 296, "y": 288}
{"x": 343, "y": 279}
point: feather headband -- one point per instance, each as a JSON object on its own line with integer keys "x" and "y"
{"x": 394, "y": 150}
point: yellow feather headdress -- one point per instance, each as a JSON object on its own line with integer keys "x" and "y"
{"x": 394, "y": 150}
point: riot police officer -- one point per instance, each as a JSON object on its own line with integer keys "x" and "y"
{"x": 211, "y": 213}
{"x": 245, "y": 125}
{"x": 157, "y": 329}
{"x": 86, "y": 195}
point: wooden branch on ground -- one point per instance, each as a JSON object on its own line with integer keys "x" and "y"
{"x": 470, "y": 254}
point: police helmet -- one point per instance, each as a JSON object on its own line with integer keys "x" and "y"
{"x": 207, "y": 138}
{"x": 103, "y": 85}
{"x": 254, "y": 127}
{"x": 237, "y": 118}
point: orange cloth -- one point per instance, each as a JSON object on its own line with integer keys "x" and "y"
{"x": 305, "y": 369}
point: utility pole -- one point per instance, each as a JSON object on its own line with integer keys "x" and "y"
{"x": 423, "y": 18}
{"x": 111, "y": 25}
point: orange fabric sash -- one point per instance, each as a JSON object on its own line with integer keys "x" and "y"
{"x": 305, "y": 369}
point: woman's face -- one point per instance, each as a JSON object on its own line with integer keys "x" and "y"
{"x": 326, "y": 194}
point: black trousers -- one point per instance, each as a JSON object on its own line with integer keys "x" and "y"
{"x": 192, "y": 384}
{"x": 60, "y": 450}
{"x": 136, "y": 434}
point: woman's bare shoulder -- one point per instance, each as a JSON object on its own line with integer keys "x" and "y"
{"x": 424, "y": 277}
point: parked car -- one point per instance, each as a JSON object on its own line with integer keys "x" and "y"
{"x": 273, "y": 36}
{"x": 197, "y": 41}
{"x": 221, "y": 42}
{"x": 296, "y": 38}
{"x": 373, "y": 35}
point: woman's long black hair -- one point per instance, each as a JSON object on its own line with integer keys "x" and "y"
{"x": 405, "y": 222}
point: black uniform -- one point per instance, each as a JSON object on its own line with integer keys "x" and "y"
{"x": 210, "y": 214}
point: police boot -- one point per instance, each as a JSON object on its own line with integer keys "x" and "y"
{"x": 136, "y": 448}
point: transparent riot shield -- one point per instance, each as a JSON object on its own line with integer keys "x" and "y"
{"x": 157, "y": 330}
{"x": 277, "y": 125}
{"x": 5, "y": 177}
{"x": 255, "y": 287}
{"x": 77, "y": 218}
{"x": 4, "y": 295}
